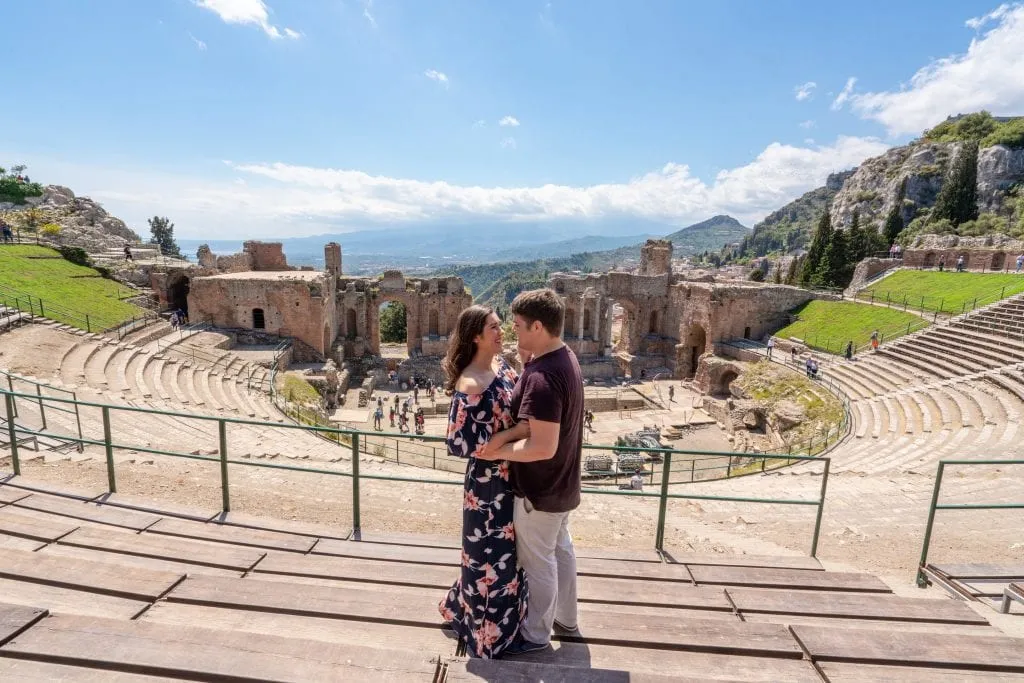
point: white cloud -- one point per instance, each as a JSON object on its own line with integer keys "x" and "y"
{"x": 805, "y": 91}
{"x": 479, "y": 123}
{"x": 245, "y": 12}
{"x": 509, "y": 121}
{"x": 981, "y": 78}
{"x": 844, "y": 94}
{"x": 280, "y": 198}
{"x": 508, "y": 143}
{"x": 995, "y": 15}
{"x": 809, "y": 123}
{"x": 367, "y": 5}
{"x": 438, "y": 76}
{"x": 200, "y": 45}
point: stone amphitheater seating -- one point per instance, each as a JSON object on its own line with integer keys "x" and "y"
{"x": 97, "y": 587}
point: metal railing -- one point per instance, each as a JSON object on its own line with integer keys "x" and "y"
{"x": 37, "y": 307}
{"x": 354, "y": 437}
{"x": 922, "y": 578}
{"x": 932, "y": 306}
{"x": 43, "y": 399}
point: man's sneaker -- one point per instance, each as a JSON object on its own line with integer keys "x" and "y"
{"x": 522, "y": 646}
{"x": 567, "y": 629}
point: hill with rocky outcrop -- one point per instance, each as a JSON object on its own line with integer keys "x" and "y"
{"x": 83, "y": 222}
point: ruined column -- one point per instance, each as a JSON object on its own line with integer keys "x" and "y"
{"x": 332, "y": 258}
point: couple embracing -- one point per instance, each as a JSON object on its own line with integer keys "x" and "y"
{"x": 523, "y": 438}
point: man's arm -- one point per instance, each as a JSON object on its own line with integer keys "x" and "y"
{"x": 540, "y": 445}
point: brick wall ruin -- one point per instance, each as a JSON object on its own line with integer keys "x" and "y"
{"x": 668, "y": 322}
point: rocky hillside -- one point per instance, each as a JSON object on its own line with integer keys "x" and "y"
{"x": 790, "y": 228}
{"x": 909, "y": 178}
{"x": 83, "y": 222}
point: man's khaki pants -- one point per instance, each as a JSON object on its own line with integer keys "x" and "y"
{"x": 545, "y": 551}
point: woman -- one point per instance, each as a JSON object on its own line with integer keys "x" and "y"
{"x": 485, "y": 605}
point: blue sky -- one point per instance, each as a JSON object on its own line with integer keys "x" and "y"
{"x": 296, "y": 117}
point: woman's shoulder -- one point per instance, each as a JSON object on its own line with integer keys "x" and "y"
{"x": 471, "y": 385}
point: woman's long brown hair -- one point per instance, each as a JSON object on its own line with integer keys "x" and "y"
{"x": 461, "y": 347}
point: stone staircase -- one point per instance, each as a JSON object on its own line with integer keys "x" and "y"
{"x": 114, "y": 588}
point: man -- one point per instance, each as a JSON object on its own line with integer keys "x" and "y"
{"x": 671, "y": 394}
{"x": 770, "y": 346}
{"x": 545, "y": 467}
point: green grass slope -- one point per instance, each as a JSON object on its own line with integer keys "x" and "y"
{"x": 829, "y": 325}
{"x": 948, "y": 292}
{"x": 43, "y": 273}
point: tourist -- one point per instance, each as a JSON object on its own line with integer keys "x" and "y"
{"x": 588, "y": 420}
{"x": 482, "y": 383}
{"x": 892, "y": 250}
{"x": 378, "y": 415}
{"x": 9, "y": 236}
{"x": 403, "y": 422}
{"x": 671, "y": 394}
{"x": 391, "y": 414}
{"x": 807, "y": 367}
{"x": 899, "y": 251}
{"x": 770, "y": 346}
{"x": 942, "y": 263}
{"x": 792, "y": 354}
{"x": 175, "y": 322}
{"x": 128, "y": 253}
{"x": 421, "y": 423}
{"x": 849, "y": 350}
{"x": 874, "y": 340}
{"x": 545, "y": 467}
{"x": 1020, "y": 259}
{"x": 813, "y": 368}
{"x": 396, "y": 402}
{"x": 960, "y": 263}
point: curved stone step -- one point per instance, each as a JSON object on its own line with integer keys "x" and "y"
{"x": 927, "y": 409}
{"x": 96, "y": 366}
{"x": 172, "y": 380}
{"x": 155, "y": 375}
{"x": 133, "y": 374}
{"x": 189, "y": 385}
{"x": 912, "y": 420}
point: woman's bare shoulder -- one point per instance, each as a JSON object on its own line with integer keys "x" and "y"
{"x": 470, "y": 384}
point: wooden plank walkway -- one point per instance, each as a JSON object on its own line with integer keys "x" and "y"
{"x": 15, "y": 618}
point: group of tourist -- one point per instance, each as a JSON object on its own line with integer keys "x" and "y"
{"x": 6, "y": 229}
{"x": 895, "y": 251}
{"x": 522, "y": 436}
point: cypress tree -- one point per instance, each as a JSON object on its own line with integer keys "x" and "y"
{"x": 856, "y": 240}
{"x": 834, "y": 264}
{"x": 792, "y": 271}
{"x": 820, "y": 241}
{"x": 894, "y": 220}
{"x": 958, "y": 198}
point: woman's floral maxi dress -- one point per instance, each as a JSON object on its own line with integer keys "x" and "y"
{"x": 487, "y": 602}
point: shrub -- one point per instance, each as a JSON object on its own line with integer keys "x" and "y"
{"x": 15, "y": 191}
{"x": 50, "y": 230}
{"x": 985, "y": 224}
{"x": 865, "y": 195}
{"x": 1010, "y": 134}
{"x": 929, "y": 170}
{"x": 78, "y": 256}
{"x": 970, "y": 127}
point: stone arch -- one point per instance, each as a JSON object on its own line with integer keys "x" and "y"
{"x": 259, "y": 320}
{"x": 569, "y": 326}
{"x": 433, "y": 323}
{"x": 720, "y": 385}
{"x": 178, "y": 286}
{"x": 746, "y": 332}
{"x": 929, "y": 259}
{"x": 653, "y": 327}
{"x": 350, "y": 324}
{"x": 998, "y": 260}
{"x": 693, "y": 347}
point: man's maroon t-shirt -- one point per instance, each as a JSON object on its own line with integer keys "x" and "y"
{"x": 551, "y": 390}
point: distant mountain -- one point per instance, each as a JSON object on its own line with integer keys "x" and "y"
{"x": 496, "y": 284}
{"x": 569, "y": 247}
{"x": 712, "y": 234}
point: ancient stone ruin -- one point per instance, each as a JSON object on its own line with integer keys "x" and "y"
{"x": 668, "y": 322}
{"x": 333, "y": 315}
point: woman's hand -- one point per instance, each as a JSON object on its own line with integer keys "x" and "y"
{"x": 493, "y": 445}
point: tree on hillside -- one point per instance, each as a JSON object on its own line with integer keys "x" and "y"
{"x": 835, "y": 267}
{"x": 392, "y": 322}
{"x": 894, "y": 219}
{"x": 162, "y": 230}
{"x": 958, "y": 198}
{"x": 820, "y": 241}
{"x": 792, "y": 270}
{"x": 856, "y": 239}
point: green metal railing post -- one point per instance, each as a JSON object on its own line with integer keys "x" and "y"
{"x": 42, "y": 410}
{"x": 41, "y": 314}
{"x": 659, "y": 541}
{"x": 922, "y": 580}
{"x": 821, "y": 508}
{"x": 12, "y": 433}
{"x": 355, "y": 483}
{"x": 111, "y": 480}
{"x": 222, "y": 430}
{"x": 78, "y": 422}
{"x": 88, "y": 326}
